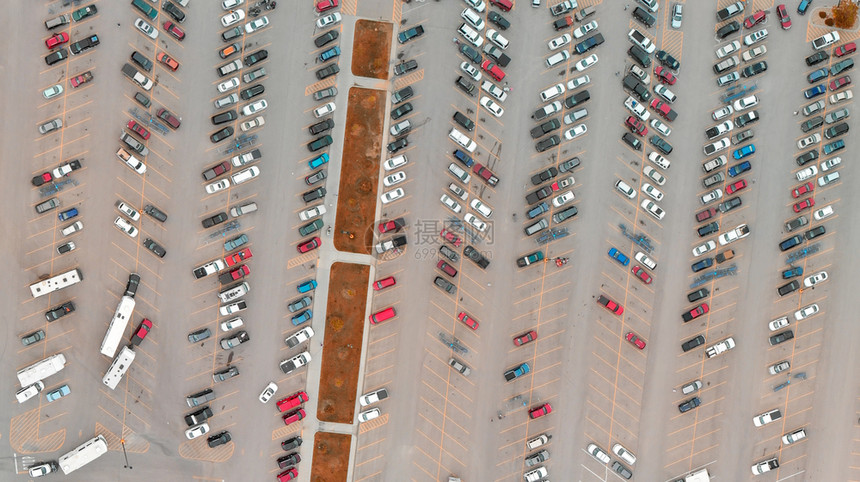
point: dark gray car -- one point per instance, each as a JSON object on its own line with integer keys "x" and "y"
{"x": 199, "y": 335}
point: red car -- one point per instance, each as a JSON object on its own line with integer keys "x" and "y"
{"x": 632, "y": 338}
{"x": 664, "y": 74}
{"x": 383, "y": 315}
{"x": 236, "y": 274}
{"x": 840, "y": 82}
{"x": 706, "y": 214}
{"x": 485, "y": 174}
{"x": 310, "y": 245}
{"x": 610, "y": 305}
{"x": 141, "y": 332}
{"x": 663, "y": 109}
{"x": 57, "y": 39}
{"x": 326, "y": 5}
{"x": 384, "y": 283}
{"x": 237, "y": 258}
{"x": 168, "y": 117}
{"x": 392, "y": 226}
{"x": 494, "y": 70}
{"x": 525, "y": 338}
{"x": 138, "y": 129}
{"x": 846, "y": 49}
{"x": 293, "y": 400}
{"x": 467, "y": 320}
{"x": 806, "y": 203}
{"x": 736, "y": 186}
{"x": 288, "y": 475}
{"x": 636, "y": 126}
{"x": 755, "y": 19}
{"x": 803, "y": 189}
{"x": 174, "y": 30}
{"x": 784, "y": 19}
{"x": 695, "y": 312}
{"x": 451, "y": 237}
{"x": 167, "y": 60}
{"x": 294, "y": 416}
{"x": 447, "y": 268}
{"x": 642, "y": 274}
{"x": 540, "y": 411}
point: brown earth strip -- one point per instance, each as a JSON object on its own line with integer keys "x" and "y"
{"x": 331, "y": 457}
{"x": 372, "y": 44}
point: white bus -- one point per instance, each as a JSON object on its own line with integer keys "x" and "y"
{"x": 118, "y": 367}
{"x": 117, "y": 327}
{"x": 86, "y": 453}
{"x": 41, "y": 370}
{"x": 55, "y": 283}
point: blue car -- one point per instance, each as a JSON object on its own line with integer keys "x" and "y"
{"x": 307, "y": 286}
{"x": 793, "y": 272}
{"x": 814, "y": 91}
{"x": 68, "y": 214}
{"x": 236, "y": 242}
{"x": 302, "y": 317}
{"x": 619, "y": 256}
{"x": 319, "y": 161}
{"x": 828, "y": 148}
{"x": 58, "y": 393}
{"x": 739, "y": 168}
{"x": 744, "y": 151}
{"x": 817, "y": 75}
{"x": 703, "y": 264}
{"x": 517, "y": 372}
{"x": 464, "y": 158}
{"x": 330, "y": 54}
{"x": 537, "y": 210}
{"x": 803, "y": 7}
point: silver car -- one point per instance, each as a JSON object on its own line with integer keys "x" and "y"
{"x": 51, "y": 126}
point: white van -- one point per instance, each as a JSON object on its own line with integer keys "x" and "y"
{"x": 245, "y": 174}
{"x": 234, "y": 292}
{"x": 557, "y": 58}
{"x": 395, "y": 162}
{"x": 645, "y": 260}
{"x": 538, "y": 441}
{"x": 659, "y": 160}
{"x": 463, "y": 140}
{"x": 625, "y": 189}
{"x": 237, "y": 211}
{"x": 27, "y": 393}
{"x": 459, "y": 173}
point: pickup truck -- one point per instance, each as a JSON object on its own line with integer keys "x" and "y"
{"x": 720, "y": 347}
{"x": 410, "y": 34}
{"x": 563, "y": 23}
{"x": 516, "y": 372}
{"x": 562, "y": 8}
{"x": 295, "y": 362}
{"x": 81, "y": 79}
{"x": 630, "y": 82}
{"x": 476, "y": 257}
{"x": 545, "y": 128}
{"x": 133, "y": 74}
{"x": 390, "y": 244}
{"x": 741, "y": 231}
{"x": 67, "y": 168}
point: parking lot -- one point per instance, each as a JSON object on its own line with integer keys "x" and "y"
{"x": 443, "y": 358}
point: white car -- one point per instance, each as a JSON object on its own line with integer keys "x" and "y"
{"x": 806, "y": 312}
{"x": 557, "y": 58}
{"x": 251, "y": 124}
{"x": 839, "y": 97}
{"x": 245, "y": 175}
{"x": 458, "y": 191}
{"x": 329, "y": 20}
{"x": 497, "y": 38}
{"x": 393, "y": 179}
{"x": 653, "y": 209}
{"x": 717, "y": 146}
{"x": 778, "y": 323}
{"x": 645, "y": 260}
{"x": 625, "y": 189}
{"x": 471, "y": 71}
{"x": 805, "y": 174}
{"x": 574, "y": 116}
{"x": 299, "y": 337}
{"x": 368, "y": 415}
{"x": 268, "y": 392}
{"x": 563, "y": 199}
{"x": 478, "y": 5}
{"x": 704, "y": 248}
{"x": 566, "y": 182}
{"x": 474, "y": 19}
{"x": 373, "y": 397}
{"x": 129, "y": 211}
{"x": 815, "y": 279}
{"x": 232, "y": 323}
{"x": 651, "y": 5}
{"x": 586, "y": 62}
{"x": 559, "y": 42}
{"x": 231, "y": 4}
{"x": 54, "y": 91}
{"x": 257, "y": 24}
{"x": 809, "y": 140}
{"x": 146, "y": 28}
{"x": 471, "y": 35}
{"x": 552, "y": 92}
{"x": 395, "y": 162}
{"x": 598, "y": 453}
{"x": 481, "y": 208}
{"x": 665, "y": 93}
{"x": 578, "y": 82}
{"x": 637, "y": 108}
{"x": 660, "y": 127}
{"x": 583, "y": 31}
{"x": 575, "y": 131}
{"x": 463, "y": 140}
{"x": 196, "y": 431}
{"x": 312, "y": 213}
{"x": 818, "y": 215}
{"x": 722, "y": 112}
{"x": 721, "y": 128}
{"x": 828, "y": 178}
{"x": 728, "y": 49}
{"x": 659, "y": 160}
{"x": 491, "y": 106}
{"x": 624, "y": 454}
{"x": 640, "y": 74}
{"x": 216, "y": 186}
{"x": 712, "y": 196}
{"x": 475, "y": 222}
{"x": 641, "y": 40}
{"x": 228, "y": 85}
{"x": 125, "y": 226}
{"x": 451, "y": 204}
{"x": 825, "y": 166}
{"x": 232, "y": 307}
{"x": 392, "y": 195}
{"x": 78, "y": 225}
{"x": 225, "y": 101}
{"x": 755, "y": 37}
{"x": 754, "y": 52}
{"x": 494, "y": 90}
{"x": 654, "y": 175}
{"x": 745, "y": 103}
{"x": 259, "y": 106}
{"x": 233, "y": 17}
{"x": 652, "y": 192}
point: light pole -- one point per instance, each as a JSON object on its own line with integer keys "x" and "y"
{"x": 126, "y": 466}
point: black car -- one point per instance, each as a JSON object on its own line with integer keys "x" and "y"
{"x": 173, "y": 11}
{"x": 703, "y": 264}
{"x": 709, "y": 228}
{"x": 133, "y": 283}
{"x": 289, "y": 460}
{"x": 60, "y": 311}
{"x": 470, "y": 53}
{"x": 401, "y": 111}
{"x": 291, "y": 443}
{"x": 814, "y": 232}
{"x": 219, "y": 439}
{"x": 729, "y": 204}
{"x": 788, "y": 288}
{"x": 236, "y": 32}
{"x": 84, "y": 45}
{"x": 728, "y": 29}
{"x": 817, "y": 57}
{"x": 57, "y": 56}
{"x": 564, "y": 215}
{"x": 156, "y": 248}
{"x": 402, "y": 95}
{"x": 326, "y": 38}
{"x": 142, "y": 99}
{"x": 796, "y": 223}
{"x": 781, "y": 337}
{"x": 499, "y": 20}
{"x": 576, "y": 99}
{"x": 319, "y": 143}
{"x": 404, "y": 67}
{"x": 547, "y": 143}
{"x": 639, "y": 55}
{"x": 199, "y": 416}
{"x": 156, "y": 213}
{"x": 544, "y": 176}
{"x": 841, "y": 66}
{"x": 255, "y": 57}
{"x": 445, "y": 285}
{"x": 316, "y": 177}
{"x": 807, "y": 156}
{"x": 667, "y": 60}
{"x": 461, "y": 119}
{"x": 813, "y": 123}
{"x": 213, "y": 220}
{"x": 836, "y": 131}
{"x": 569, "y": 165}
{"x": 790, "y": 242}
{"x": 314, "y": 194}
{"x": 221, "y": 135}
{"x": 327, "y": 72}
{"x": 754, "y": 69}
{"x": 690, "y": 344}
{"x": 747, "y": 118}
{"x": 223, "y": 117}
{"x": 545, "y": 128}
{"x": 536, "y": 196}
{"x": 252, "y": 91}
{"x": 397, "y": 145}
{"x": 321, "y": 126}
{"x": 142, "y": 61}
{"x": 449, "y": 253}
{"x": 476, "y": 256}
{"x": 698, "y": 295}
{"x": 410, "y": 34}
{"x": 465, "y": 86}
{"x": 660, "y": 144}
{"x": 691, "y": 403}
{"x": 644, "y": 17}
{"x": 632, "y": 141}
{"x": 589, "y": 43}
